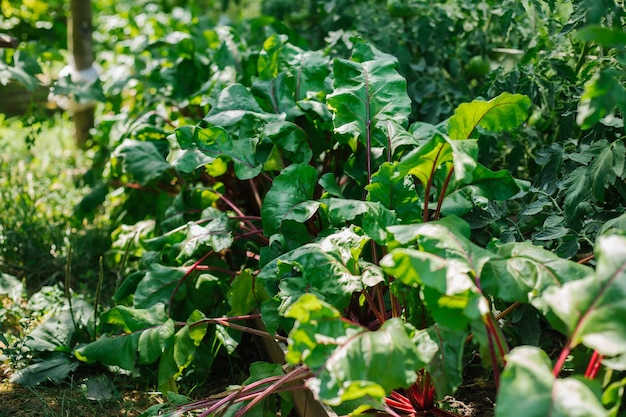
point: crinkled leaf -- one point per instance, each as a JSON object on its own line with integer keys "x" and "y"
{"x": 446, "y": 366}
{"x": 505, "y": 112}
{"x": 157, "y": 286}
{"x": 214, "y": 235}
{"x": 180, "y": 352}
{"x": 351, "y": 362}
{"x": 294, "y": 185}
{"x": 522, "y": 271}
{"x": 528, "y": 375}
{"x": 366, "y": 95}
{"x": 130, "y": 319}
{"x": 334, "y": 275}
{"x": 141, "y": 160}
{"x": 591, "y": 309}
{"x": 376, "y": 218}
{"x": 395, "y": 192}
{"x": 215, "y": 142}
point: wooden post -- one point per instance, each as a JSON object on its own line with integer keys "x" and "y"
{"x": 81, "y": 49}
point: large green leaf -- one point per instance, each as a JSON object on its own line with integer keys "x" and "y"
{"x": 438, "y": 150}
{"x": 157, "y": 286}
{"x": 351, "y": 362}
{"x": 523, "y": 271}
{"x": 376, "y": 218}
{"x": 591, "y": 309}
{"x": 111, "y": 350}
{"x": 446, "y": 366}
{"x": 130, "y": 319}
{"x": 505, "y": 112}
{"x": 395, "y": 192}
{"x": 308, "y": 68}
{"x": 528, "y": 375}
{"x": 180, "y": 352}
{"x": 294, "y": 185}
{"x": 141, "y": 160}
{"x": 366, "y": 95}
{"x": 146, "y": 331}
{"x": 327, "y": 268}
{"x": 55, "y": 368}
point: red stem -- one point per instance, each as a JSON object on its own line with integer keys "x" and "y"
{"x": 594, "y": 365}
{"x": 429, "y": 184}
{"x": 442, "y": 193}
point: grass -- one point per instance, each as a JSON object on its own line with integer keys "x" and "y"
{"x": 41, "y": 183}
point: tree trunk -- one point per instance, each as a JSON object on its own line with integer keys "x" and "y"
{"x": 80, "y": 46}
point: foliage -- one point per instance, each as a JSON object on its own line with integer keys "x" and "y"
{"x": 291, "y": 190}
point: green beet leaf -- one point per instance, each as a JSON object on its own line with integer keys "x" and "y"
{"x": 130, "y": 319}
{"x": 277, "y": 95}
{"x": 157, "y": 286}
{"x": 395, "y": 192}
{"x": 366, "y": 95}
{"x": 334, "y": 277}
{"x": 375, "y": 217}
{"x": 245, "y": 294}
{"x": 179, "y": 353}
{"x": 446, "y": 365}
{"x": 111, "y": 350}
{"x": 153, "y": 341}
{"x": 522, "y": 271}
{"x": 528, "y": 375}
{"x": 55, "y": 368}
{"x": 351, "y": 362}
{"x": 505, "y": 112}
{"x": 591, "y": 310}
{"x": 294, "y": 185}
{"x": 141, "y": 160}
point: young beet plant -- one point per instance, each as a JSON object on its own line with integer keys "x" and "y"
{"x": 357, "y": 244}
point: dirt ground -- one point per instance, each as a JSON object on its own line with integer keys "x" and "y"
{"x": 69, "y": 399}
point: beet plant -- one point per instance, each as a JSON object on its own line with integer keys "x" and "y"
{"x": 293, "y": 199}
{"x": 306, "y": 201}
